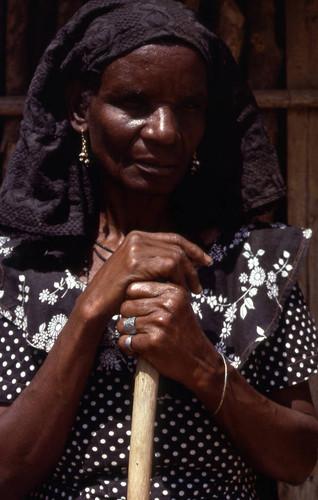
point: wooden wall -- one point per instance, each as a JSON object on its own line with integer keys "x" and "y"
{"x": 302, "y": 164}
{"x": 276, "y": 45}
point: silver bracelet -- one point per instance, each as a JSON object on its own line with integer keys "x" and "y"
{"x": 224, "y": 386}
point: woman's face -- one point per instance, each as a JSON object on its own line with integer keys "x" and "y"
{"x": 148, "y": 117}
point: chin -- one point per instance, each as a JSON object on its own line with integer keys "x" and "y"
{"x": 152, "y": 190}
{"x": 157, "y": 185}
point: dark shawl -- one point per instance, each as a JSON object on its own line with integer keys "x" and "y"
{"x": 46, "y": 192}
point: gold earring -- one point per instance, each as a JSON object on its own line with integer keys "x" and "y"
{"x": 195, "y": 164}
{"x": 83, "y": 156}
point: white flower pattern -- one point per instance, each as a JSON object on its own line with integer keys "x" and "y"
{"x": 252, "y": 280}
{"x": 4, "y": 250}
{"x": 61, "y": 288}
{"x": 257, "y": 276}
{"x": 253, "y": 276}
{"x": 47, "y": 335}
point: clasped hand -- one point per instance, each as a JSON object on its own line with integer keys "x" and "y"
{"x": 150, "y": 276}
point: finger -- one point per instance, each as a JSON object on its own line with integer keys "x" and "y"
{"x": 147, "y": 289}
{"x": 139, "y": 307}
{"x": 193, "y": 251}
{"x": 161, "y": 256}
{"x": 129, "y": 350}
{"x": 143, "y": 298}
{"x": 146, "y": 341}
{"x": 132, "y": 313}
{"x": 191, "y": 277}
{"x": 178, "y": 269}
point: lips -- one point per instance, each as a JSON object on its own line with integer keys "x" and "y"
{"x": 155, "y": 168}
{"x": 154, "y": 164}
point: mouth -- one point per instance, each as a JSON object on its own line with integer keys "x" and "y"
{"x": 155, "y": 167}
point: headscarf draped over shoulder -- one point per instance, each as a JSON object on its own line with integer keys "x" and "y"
{"x": 46, "y": 191}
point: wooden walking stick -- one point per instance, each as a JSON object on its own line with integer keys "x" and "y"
{"x": 142, "y": 430}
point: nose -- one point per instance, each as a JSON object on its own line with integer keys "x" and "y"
{"x": 161, "y": 126}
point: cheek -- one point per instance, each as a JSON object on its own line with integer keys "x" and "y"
{"x": 192, "y": 132}
{"x": 110, "y": 135}
{"x": 199, "y": 128}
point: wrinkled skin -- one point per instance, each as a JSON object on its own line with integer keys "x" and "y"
{"x": 144, "y": 125}
{"x": 148, "y": 118}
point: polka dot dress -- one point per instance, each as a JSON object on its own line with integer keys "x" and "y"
{"x": 285, "y": 358}
{"x": 193, "y": 458}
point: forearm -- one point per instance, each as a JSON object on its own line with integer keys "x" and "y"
{"x": 279, "y": 442}
{"x": 34, "y": 429}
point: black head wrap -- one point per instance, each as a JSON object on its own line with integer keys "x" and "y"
{"x": 47, "y": 192}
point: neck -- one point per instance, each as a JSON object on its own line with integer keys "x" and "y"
{"x": 124, "y": 211}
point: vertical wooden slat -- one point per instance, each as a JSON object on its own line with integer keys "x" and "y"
{"x": 17, "y": 56}
{"x": 264, "y": 56}
{"x": 2, "y": 71}
{"x": 2, "y": 44}
{"x": 42, "y": 26}
{"x": 313, "y": 202}
{"x": 302, "y": 168}
{"x": 312, "y": 31}
{"x": 16, "y": 68}
{"x": 230, "y": 27}
{"x": 302, "y": 72}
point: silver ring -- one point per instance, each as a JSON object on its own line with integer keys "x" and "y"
{"x": 128, "y": 343}
{"x": 129, "y": 325}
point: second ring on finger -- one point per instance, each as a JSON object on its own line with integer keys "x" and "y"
{"x": 128, "y": 342}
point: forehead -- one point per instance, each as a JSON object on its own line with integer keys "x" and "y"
{"x": 158, "y": 65}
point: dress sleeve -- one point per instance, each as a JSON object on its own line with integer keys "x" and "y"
{"x": 289, "y": 355}
{"x": 19, "y": 361}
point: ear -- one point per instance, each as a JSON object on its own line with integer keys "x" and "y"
{"x": 75, "y": 105}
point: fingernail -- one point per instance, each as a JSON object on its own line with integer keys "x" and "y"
{"x": 207, "y": 258}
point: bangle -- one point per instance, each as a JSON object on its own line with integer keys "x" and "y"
{"x": 224, "y": 386}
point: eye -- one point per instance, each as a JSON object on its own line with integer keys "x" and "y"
{"x": 193, "y": 104}
{"x": 135, "y": 106}
{"x": 133, "y": 103}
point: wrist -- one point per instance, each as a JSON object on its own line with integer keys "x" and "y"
{"x": 210, "y": 381}
{"x": 216, "y": 411}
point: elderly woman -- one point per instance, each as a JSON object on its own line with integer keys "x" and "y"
{"x": 126, "y": 215}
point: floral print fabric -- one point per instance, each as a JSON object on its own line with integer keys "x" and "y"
{"x": 248, "y": 292}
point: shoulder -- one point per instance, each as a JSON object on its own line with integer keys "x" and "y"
{"x": 269, "y": 241}
{"x": 253, "y": 271}
{"x": 35, "y": 296}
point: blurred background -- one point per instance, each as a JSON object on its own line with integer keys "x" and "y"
{"x": 275, "y": 42}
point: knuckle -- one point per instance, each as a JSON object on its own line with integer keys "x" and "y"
{"x": 167, "y": 264}
{"x": 175, "y": 299}
{"x": 178, "y": 293}
{"x": 132, "y": 257}
{"x": 179, "y": 253}
{"x": 130, "y": 290}
{"x": 170, "y": 262}
{"x": 176, "y": 239}
{"x": 170, "y": 307}
{"x": 162, "y": 320}
{"x": 133, "y": 237}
